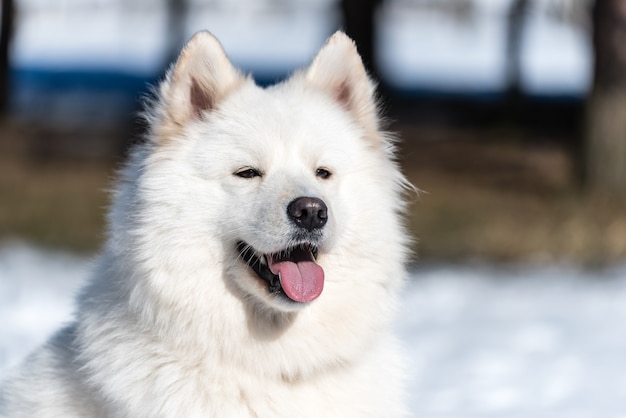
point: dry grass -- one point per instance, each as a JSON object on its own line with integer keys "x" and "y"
{"x": 60, "y": 205}
{"x": 51, "y": 202}
{"x": 489, "y": 198}
{"x": 498, "y": 199}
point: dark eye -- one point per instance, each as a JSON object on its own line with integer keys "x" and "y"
{"x": 323, "y": 173}
{"x": 248, "y": 173}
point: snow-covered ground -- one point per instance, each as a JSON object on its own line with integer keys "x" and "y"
{"x": 540, "y": 342}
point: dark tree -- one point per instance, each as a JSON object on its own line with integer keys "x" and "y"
{"x": 6, "y": 32}
{"x": 177, "y": 13}
{"x": 515, "y": 31}
{"x": 358, "y": 23}
{"x": 605, "y": 141}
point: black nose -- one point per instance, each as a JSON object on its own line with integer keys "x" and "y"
{"x": 308, "y": 212}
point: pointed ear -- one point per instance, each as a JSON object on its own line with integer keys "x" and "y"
{"x": 200, "y": 79}
{"x": 338, "y": 70}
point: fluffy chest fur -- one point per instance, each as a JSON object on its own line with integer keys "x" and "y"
{"x": 254, "y": 255}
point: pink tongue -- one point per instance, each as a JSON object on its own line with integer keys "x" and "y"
{"x": 302, "y": 280}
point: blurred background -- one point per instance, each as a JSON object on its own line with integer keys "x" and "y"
{"x": 510, "y": 111}
{"x": 512, "y": 119}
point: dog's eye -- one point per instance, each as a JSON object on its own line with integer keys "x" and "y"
{"x": 248, "y": 173}
{"x": 323, "y": 173}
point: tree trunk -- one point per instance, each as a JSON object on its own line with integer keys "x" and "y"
{"x": 6, "y": 31}
{"x": 177, "y": 13}
{"x": 359, "y": 24}
{"x": 515, "y": 32}
{"x": 606, "y": 108}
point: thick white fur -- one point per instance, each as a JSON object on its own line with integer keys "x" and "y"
{"x": 173, "y": 323}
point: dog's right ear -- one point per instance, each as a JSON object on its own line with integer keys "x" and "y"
{"x": 338, "y": 70}
{"x": 200, "y": 78}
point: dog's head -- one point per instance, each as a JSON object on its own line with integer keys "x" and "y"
{"x": 289, "y": 179}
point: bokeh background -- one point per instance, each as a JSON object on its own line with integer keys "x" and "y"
{"x": 509, "y": 110}
{"x": 512, "y": 119}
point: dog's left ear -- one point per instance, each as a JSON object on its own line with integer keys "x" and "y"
{"x": 338, "y": 70}
{"x": 201, "y": 77}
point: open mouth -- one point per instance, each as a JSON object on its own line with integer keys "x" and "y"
{"x": 292, "y": 272}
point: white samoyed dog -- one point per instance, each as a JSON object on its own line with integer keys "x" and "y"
{"x": 255, "y": 251}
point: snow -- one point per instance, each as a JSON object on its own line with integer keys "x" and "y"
{"x": 418, "y": 47}
{"x": 136, "y": 40}
{"x": 270, "y": 43}
{"x": 526, "y": 342}
{"x": 429, "y": 48}
{"x": 116, "y": 38}
{"x": 562, "y": 65}
{"x": 442, "y": 52}
{"x": 37, "y": 289}
{"x": 542, "y": 341}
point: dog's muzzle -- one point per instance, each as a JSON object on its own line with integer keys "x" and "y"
{"x": 293, "y": 271}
